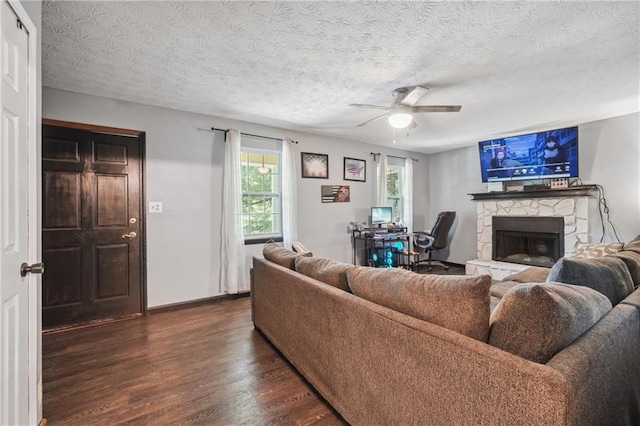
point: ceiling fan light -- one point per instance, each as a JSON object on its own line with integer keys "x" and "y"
{"x": 400, "y": 120}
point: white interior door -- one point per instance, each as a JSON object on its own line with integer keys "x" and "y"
{"x": 14, "y": 220}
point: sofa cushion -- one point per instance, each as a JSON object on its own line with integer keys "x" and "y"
{"x": 633, "y": 245}
{"x": 499, "y": 288}
{"x": 280, "y": 255}
{"x": 495, "y": 301}
{"x": 459, "y": 303}
{"x": 607, "y": 274}
{"x": 536, "y": 321}
{"x": 632, "y": 260}
{"x": 591, "y": 251}
{"x": 532, "y": 274}
{"x": 326, "y": 270}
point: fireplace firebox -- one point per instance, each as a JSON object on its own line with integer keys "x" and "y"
{"x": 528, "y": 240}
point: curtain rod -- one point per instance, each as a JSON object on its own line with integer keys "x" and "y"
{"x": 214, "y": 129}
{"x": 392, "y": 156}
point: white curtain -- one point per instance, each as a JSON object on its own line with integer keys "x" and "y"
{"x": 233, "y": 271}
{"x": 407, "y": 196}
{"x": 289, "y": 195}
{"x": 381, "y": 188}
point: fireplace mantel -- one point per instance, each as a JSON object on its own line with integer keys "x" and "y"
{"x": 574, "y": 191}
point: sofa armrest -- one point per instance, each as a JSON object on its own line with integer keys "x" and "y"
{"x": 251, "y": 278}
{"x": 605, "y": 385}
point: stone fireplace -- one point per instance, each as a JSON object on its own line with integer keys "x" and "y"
{"x": 573, "y": 211}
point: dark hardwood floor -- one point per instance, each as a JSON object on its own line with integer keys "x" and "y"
{"x": 454, "y": 269}
{"x": 203, "y": 365}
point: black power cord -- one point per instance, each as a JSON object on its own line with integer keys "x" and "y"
{"x": 603, "y": 207}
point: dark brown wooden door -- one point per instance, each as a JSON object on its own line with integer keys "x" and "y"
{"x": 92, "y": 225}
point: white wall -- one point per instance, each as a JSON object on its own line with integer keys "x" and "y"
{"x": 609, "y": 156}
{"x": 453, "y": 175}
{"x": 323, "y": 227}
{"x": 184, "y": 171}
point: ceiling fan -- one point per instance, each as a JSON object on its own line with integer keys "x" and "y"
{"x": 401, "y": 111}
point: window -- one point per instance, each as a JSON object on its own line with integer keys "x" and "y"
{"x": 395, "y": 176}
{"x": 261, "y": 199}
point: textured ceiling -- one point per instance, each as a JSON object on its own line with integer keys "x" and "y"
{"x": 513, "y": 66}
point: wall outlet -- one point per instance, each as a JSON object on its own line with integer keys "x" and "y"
{"x": 559, "y": 183}
{"x": 155, "y": 206}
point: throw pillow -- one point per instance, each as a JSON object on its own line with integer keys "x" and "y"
{"x": 607, "y": 274}
{"x": 281, "y": 255}
{"x": 536, "y": 321}
{"x": 533, "y": 274}
{"x": 326, "y": 270}
{"x": 632, "y": 260}
{"x": 591, "y": 251}
{"x": 459, "y": 303}
{"x": 633, "y": 245}
{"x": 298, "y": 247}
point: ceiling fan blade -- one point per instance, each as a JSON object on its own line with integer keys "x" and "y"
{"x": 414, "y": 95}
{"x": 370, "y": 106}
{"x": 436, "y": 108}
{"x": 373, "y": 119}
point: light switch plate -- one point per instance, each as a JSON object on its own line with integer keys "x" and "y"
{"x": 155, "y": 206}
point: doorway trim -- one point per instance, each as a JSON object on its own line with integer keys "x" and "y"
{"x": 141, "y": 135}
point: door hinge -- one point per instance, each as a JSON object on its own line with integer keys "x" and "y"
{"x": 19, "y": 24}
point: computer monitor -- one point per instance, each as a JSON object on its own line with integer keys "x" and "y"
{"x": 381, "y": 216}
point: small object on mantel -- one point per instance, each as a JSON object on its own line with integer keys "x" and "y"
{"x": 559, "y": 183}
{"x": 495, "y": 186}
{"x": 536, "y": 187}
{"x": 513, "y": 188}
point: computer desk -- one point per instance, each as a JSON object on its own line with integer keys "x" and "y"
{"x": 377, "y": 238}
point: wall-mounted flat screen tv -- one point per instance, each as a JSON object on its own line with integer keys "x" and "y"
{"x": 542, "y": 155}
{"x": 381, "y": 215}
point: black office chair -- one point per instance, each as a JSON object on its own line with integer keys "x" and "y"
{"x": 436, "y": 239}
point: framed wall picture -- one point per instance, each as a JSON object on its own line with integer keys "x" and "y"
{"x": 315, "y": 165}
{"x": 355, "y": 169}
{"x": 336, "y": 194}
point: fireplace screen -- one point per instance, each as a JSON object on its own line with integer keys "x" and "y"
{"x": 537, "y": 241}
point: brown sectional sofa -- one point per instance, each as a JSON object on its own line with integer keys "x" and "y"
{"x": 378, "y": 365}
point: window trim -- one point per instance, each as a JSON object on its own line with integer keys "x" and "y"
{"x": 249, "y": 242}
{"x": 399, "y": 197}
{"x": 250, "y": 239}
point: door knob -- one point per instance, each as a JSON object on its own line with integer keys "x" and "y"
{"x": 130, "y": 236}
{"x": 36, "y": 268}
